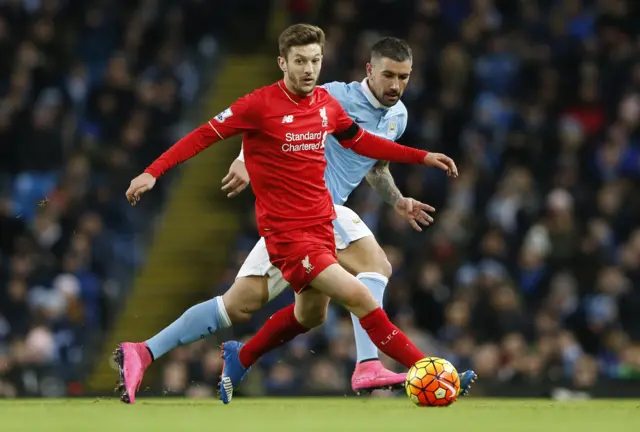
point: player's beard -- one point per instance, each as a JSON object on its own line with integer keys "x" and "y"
{"x": 389, "y": 98}
{"x": 302, "y": 88}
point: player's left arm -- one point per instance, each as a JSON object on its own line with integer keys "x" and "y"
{"x": 352, "y": 136}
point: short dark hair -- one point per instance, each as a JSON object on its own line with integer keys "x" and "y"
{"x": 392, "y": 48}
{"x": 300, "y": 35}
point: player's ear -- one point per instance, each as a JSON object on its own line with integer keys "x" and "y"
{"x": 369, "y": 70}
{"x": 282, "y": 63}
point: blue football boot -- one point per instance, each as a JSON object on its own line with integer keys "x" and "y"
{"x": 232, "y": 370}
{"x": 466, "y": 379}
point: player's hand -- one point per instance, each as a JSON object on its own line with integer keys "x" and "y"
{"x": 445, "y": 163}
{"x": 237, "y": 180}
{"x": 414, "y": 212}
{"x": 139, "y": 185}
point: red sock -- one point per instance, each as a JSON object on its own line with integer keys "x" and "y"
{"x": 389, "y": 339}
{"x": 278, "y": 330}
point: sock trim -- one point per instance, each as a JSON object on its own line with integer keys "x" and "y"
{"x": 223, "y": 316}
{"x": 373, "y": 275}
{"x": 150, "y": 352}
{"x": 373, "y": 315}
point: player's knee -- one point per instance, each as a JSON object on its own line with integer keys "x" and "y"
{"x": 243, "y": 299}
{"x": 359, "y": 300}
{"x": 239, "y": 314}
{"x": 380, "y": 264}
{"x": 312, "y": 319}
{"x": 383, "y": 265}
{"x": 365, "y": 256}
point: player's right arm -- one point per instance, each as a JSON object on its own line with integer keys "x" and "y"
{"x": 381, "y": 180}
{"x": 237, "y": 179}
{"x": 242, "y": 116}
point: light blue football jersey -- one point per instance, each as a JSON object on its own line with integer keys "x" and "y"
{"x": 346, "y": 169}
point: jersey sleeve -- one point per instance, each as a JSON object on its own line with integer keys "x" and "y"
{"x": 344, "y": 123}
{"x": 241, "y": 155}
{"x": 351, "y": 136}
{"x": 335, "y": 88}
{"x": 375, "y": 147}
{"x": 243, "y": 115}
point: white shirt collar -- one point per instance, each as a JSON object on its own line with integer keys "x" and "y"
{"x": 370, "y": 96}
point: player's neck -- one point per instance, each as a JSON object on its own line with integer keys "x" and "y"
{"x": 292, "y": 90}
{"x": 371, "y": 96}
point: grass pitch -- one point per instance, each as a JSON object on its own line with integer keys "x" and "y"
{"x": 310, "y": 415}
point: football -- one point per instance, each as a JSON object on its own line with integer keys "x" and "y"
{"x": 432, "y": 382}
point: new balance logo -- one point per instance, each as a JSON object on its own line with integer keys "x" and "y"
{"x": 306, "y": 263}
{"x": 287, "y": 119}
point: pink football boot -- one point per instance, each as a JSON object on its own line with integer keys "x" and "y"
{"x": 371, "y": 375}
{"x": 132, "y": 360}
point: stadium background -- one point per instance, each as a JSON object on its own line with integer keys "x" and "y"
{"x": 531, "y": 274}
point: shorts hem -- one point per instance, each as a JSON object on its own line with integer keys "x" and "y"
{"x": 313, "y": 274}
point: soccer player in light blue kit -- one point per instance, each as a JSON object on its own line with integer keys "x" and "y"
{"x": 375, "y": 105}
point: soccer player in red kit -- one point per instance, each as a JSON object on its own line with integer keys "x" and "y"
{"x": 284, "y": 127}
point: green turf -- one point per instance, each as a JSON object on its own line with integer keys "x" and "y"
{"x": 308, "y": 415}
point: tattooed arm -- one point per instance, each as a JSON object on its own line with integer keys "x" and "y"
{"x": 414, "y": 212}
{"x": 381, "y": 180}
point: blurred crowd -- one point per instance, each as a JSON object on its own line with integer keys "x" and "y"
{"x": 90, "y": 92}
{"x": 531, "y": 273}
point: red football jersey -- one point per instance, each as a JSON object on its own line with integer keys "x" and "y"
{"x": 283, "y": 141}
{"x": 283, "y": 137}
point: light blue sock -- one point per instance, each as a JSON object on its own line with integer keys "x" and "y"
{"x": 365, "y": 348}
{"x": 197, "y": 322}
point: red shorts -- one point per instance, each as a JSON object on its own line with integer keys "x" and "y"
{"x": 303, "y": 253}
